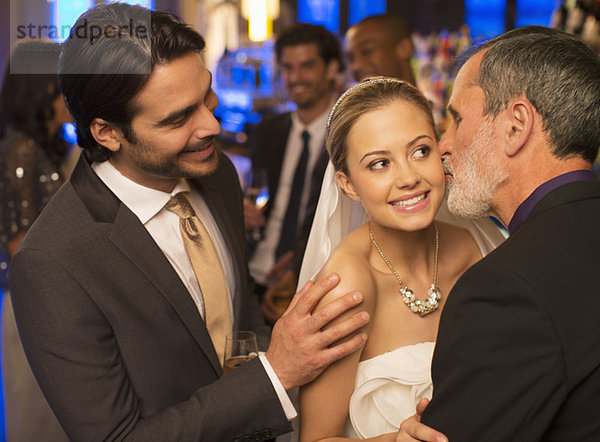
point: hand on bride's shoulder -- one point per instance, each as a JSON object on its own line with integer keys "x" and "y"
{"x": 350, "y": 261}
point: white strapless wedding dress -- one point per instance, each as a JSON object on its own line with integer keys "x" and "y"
{"x": 387, "y": 390}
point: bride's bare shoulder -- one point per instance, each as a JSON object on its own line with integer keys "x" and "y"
{"x": 352, "y": 252}
{"x": 350, "y": 261}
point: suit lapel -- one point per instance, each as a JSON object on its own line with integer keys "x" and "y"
{"x": 133, "y": 240}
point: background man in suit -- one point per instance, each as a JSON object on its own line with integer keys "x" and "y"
{"x": 123, "y": 329}
{"x": 380, "y": 45}
{"x": 517, "y": 352}
{"x": 309, "y": 59}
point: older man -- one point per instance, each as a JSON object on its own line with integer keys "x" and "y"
{"x": 517, "y": 353}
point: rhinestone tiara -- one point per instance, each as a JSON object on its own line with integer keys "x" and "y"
{"x": 356, "y": 87}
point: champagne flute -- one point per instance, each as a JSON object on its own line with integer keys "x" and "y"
{"x": 240, "y": 347}
{"x": 256, "y": 191}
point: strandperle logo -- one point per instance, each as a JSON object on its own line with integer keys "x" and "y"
{"x": 90, "y": 33}
{"x": 82, "y": 30}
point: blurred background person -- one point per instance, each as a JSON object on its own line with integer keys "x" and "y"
{"x": 290, "y": 147}
{"x": 380, "y": 45}
{"x": 32, "y": 155}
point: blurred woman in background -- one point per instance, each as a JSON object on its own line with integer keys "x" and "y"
{"x": 32, "y": 154}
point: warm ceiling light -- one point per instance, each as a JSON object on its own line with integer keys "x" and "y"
{"x": 260, "y": 15}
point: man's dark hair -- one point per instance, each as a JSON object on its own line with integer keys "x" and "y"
{"x": 558, "y": 73}
{"x": 304, "y": 33}
{"x": 98, "y": 76}
{"x": 395, "y": 27}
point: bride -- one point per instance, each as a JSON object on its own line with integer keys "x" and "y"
{"x": 404, "y": 258}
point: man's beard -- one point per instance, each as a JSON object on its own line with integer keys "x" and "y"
{"x": 147, "y": 159}
{"x": 472, "y": 189}
{"x": 307, "y": 101}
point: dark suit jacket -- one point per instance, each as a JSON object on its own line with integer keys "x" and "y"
{"x": 113, "y": 336}
{"x": 268, "y": 152}
{"x": 518, "y": 350}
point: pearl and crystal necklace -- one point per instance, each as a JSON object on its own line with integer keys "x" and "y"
{"x": 432, "y": 302}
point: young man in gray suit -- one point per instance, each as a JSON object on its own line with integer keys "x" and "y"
{"x": 122, "y": 327}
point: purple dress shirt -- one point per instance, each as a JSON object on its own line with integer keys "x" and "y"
{"x": 536, "y": 196}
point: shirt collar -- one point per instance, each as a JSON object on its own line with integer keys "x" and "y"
{"x": 143, "y": 201}
{"x": 536, "y": 196}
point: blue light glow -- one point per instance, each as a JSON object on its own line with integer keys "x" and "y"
{"x": 262, "y": 199}
{"x": 485, "y": 18}
{"x": 320, "y": 12}
{"x": 235, "y": 98}
{"x": 359, "y": 9}
{"x": 65, "y": 13}
{"x": 68, "y": 133}
{"x": 148, "y": 4}
{"x": 233, "y": 121}
{"x": 535, "y": 12}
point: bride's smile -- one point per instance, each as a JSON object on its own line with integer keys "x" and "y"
{"x": 411, "y": 203}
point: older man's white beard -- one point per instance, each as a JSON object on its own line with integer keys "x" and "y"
{"x": 474, "y": 185}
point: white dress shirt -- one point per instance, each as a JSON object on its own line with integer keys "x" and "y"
{"x": 263, "y": 258}
{"x": 163, "y": 225}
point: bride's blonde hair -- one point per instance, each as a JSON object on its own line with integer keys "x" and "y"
{"x": 370, "y": 94}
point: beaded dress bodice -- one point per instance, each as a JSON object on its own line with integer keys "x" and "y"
{"x": 28, "y": 179}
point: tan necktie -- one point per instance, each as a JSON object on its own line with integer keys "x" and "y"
{"x": 208, "y": 270}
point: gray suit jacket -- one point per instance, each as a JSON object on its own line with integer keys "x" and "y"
{"x": 113, "y": 336}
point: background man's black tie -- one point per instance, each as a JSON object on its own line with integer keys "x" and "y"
{"x": 290, "y": 222}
